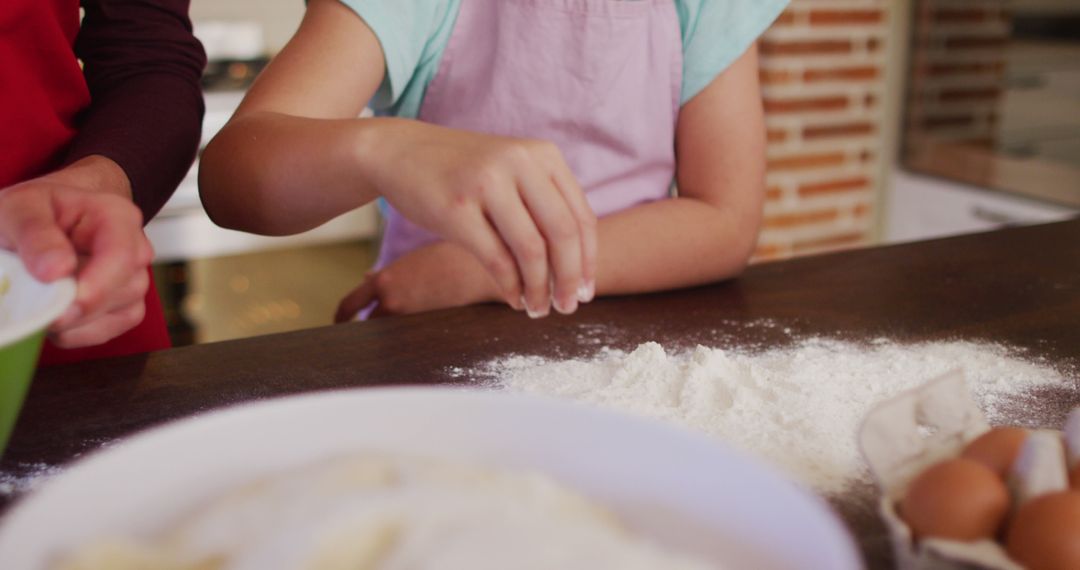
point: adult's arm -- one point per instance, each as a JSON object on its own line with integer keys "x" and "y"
{"x": 142, "y": 65}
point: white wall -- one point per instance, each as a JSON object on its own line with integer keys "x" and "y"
{"x": 278, "y": 18}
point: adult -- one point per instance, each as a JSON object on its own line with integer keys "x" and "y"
{"x": 99, "y": 121}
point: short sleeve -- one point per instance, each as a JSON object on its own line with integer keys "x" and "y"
{"x": 413, "y": 35}
{"x": 716, "y": 32}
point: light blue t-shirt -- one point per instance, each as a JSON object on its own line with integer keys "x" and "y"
{"x": 414, "y": 34}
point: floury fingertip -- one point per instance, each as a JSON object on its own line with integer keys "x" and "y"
{"x": 567, "y": 308}
{"x": 587, "y": 291}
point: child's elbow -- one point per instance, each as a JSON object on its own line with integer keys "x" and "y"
{"x": 741, "y": 263}
{"x": 214, "y": 189}
{"x": 742, "y": 248}
{"x": 738, "y": 263}
{"x": 749, "y": 247}
{"x": 221, "y": 216}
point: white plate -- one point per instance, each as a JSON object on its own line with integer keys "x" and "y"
{"x": 682, "y": 489}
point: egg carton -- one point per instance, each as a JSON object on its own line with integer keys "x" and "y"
{"x": 903, "y": 436}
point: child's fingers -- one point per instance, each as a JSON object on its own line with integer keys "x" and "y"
{"x": 479, "y": 237}
{"x": 380, "y": 311}
{"x": 549, "y": 209}
{"x": 356, "y": 300}
{"x": 517, "y": 228}
{"x": 586, "y": 220}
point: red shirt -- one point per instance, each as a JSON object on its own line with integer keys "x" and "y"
{"x": 44, "y": 89}
{"x": 137, "y": 102}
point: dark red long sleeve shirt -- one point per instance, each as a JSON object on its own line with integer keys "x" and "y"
{"x": 142, "y": 65}
{"x": 136, "y": 101}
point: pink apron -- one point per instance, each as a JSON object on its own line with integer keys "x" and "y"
{"x": 599, "y": 78}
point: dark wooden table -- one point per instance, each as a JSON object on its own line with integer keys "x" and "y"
{"x": 1018, "y": 286}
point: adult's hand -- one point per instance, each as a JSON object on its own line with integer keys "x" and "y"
{"x": 78, "y": 222}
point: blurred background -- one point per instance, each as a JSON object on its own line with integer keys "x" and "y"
{"x": 888, "y": 121}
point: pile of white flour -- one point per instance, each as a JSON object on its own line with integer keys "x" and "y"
{"x": 797, "y": 407}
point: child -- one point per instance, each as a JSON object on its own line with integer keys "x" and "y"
{"x": 629, "y": 95}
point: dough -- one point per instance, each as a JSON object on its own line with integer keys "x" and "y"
{"x": 378, "y": 512}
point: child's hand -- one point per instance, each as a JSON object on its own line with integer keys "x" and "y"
{"x": 61, "y": 229}
{"x": 438, "y": 276}
{"x": 513, "y": 203}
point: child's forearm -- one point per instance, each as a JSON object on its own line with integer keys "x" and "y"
{"x": 671, "y": 244}
{"x": 276, "y": 174}
{"x": 498, "y": 197}
{"x": 666, "y": 244}
{"x": 709, "y": 232}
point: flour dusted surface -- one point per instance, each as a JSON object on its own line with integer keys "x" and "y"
{"x": 797, "y": 407}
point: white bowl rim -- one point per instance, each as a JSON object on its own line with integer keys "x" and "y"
{"x": 64, "y": 295}
{"x": 843, "y": 546}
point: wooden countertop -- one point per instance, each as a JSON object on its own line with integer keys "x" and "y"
{"x": 1017, "y": 286}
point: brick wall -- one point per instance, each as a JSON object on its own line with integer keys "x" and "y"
{"x": 823, "y": 79}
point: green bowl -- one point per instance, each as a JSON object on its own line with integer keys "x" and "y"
{"x": 27, "y": 307}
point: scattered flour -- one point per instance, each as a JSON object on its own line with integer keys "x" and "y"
{"x": 798, "y": 407}
{"x": 23, "y": 477}
{"x": 26, "y": 478}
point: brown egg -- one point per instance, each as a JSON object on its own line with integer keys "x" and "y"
{"x": 958, "y": 499}
{"x": 997, "y": 448}
{"x": 1045, "y": 533}
{"x": 1074, "y": 478}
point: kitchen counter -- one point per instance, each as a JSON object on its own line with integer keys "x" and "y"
{"x": 1017, "y": 286}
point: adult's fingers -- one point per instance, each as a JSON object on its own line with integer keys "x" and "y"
{"x": 29, "y": 225}
{"x": 144, "y": 252}
{"x": 102, "y": 329}
{"x": 111, "y": 247}
{"x": 356, "y": 300}
{"x": 586, "y": 220}
{"x": 131, "y": 291}
{"x": 518, "y": 230}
